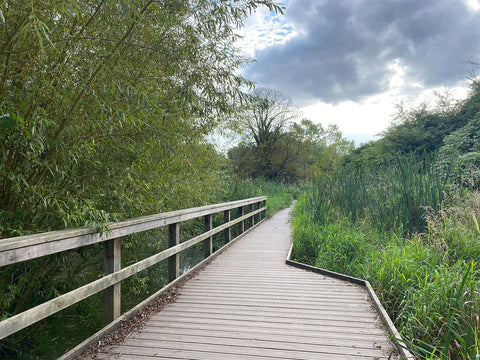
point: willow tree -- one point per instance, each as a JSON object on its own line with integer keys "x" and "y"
{"x": 105, "y": 105}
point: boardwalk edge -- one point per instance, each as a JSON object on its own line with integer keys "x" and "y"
{"x": 387, "y": 322}
{"x": 95, "y": 338}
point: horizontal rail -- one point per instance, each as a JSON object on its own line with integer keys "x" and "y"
{"x": 35, "y": 314}
{"x": 22, "y": 248}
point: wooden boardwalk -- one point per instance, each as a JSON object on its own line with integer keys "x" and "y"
{"x": 248, "y": 304}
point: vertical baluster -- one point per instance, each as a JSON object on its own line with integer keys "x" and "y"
{"x": 112, "y": 294}
{"x": 209, "y": 240}
{"x": 241, "y": 226}
{"x": 227, "y": 233}
{"x": 252, "y": 217}
{"x": 174, "y": 260}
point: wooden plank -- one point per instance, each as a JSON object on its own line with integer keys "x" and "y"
{"x": 255, "y": 319}
{"x": 312, "y": 311}
{"x": 321, "y": 314}
{"x": 298, "y": 337}
{"x": 326, "y": 298}
{"x": 287, "y": 305}
{"x": 266, "y": 326}
{"x": 289, "y": 317}
{"x": 252, "y": 219}
{"x": 241, "y": 225}
{"x": 256, "y": 347}
{"x": 145, "y": 348}
{"x": 207, "y": 355}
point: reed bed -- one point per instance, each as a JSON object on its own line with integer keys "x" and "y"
{"x": 415, "y": 238}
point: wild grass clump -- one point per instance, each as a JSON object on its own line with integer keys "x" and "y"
{"x": 423, "y": 259}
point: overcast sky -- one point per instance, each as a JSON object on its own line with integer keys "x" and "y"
{"x": 348, "y": 62}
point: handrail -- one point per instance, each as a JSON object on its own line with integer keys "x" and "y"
{"x": 14, "y": 250}
{"x": 21, "y": 248}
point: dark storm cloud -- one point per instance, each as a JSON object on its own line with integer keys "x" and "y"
{"x": 344, "y": 47}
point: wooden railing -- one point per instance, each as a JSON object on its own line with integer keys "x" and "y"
{"x": 18, "y": 249}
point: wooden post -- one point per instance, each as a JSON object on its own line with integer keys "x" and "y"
{"x": 264, "y": 212}
{"x": 227, "y": 233}
{"x": 112, "y": 294}
{"x": 252, "y": 218}
{"x": 208, "y": 241}
{"x": 174, "y": 260}
{"x": 241, "y": 226}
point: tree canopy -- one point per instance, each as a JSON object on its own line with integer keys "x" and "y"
{"x": 419, "y": 130}
{"x": 278, "y": 145}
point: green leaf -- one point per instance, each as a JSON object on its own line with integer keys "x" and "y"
{"x": 7, "y": 121}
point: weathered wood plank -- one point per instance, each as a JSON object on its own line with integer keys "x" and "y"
{"x": 227, "y": 233}
{"x": 267, "y": 326}
{"x": 326, "y": 313}
{"x": 208, "y": 245}
{"x": 299, "y": 338}
{"x": 254, "y": 347}
{"x": 173, "y": 349}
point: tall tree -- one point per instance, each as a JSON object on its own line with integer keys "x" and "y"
{"x": 265, "y": 121}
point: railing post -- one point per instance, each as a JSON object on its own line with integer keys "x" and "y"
{"x": 209, "y": 240}
{"x": 241, "y": 226}
{"x": 264, "y": 212}
{"x": 227, "y": 233}
{"x": 112, "y": 294}
{"x": 174, "y": 260}
{"x": 252, "y": 218}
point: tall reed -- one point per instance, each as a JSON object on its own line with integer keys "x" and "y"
{"x": 392, "y": 197}
{"x": 415, "y": 239}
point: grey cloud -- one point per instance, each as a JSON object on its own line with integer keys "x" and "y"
{"x": 345, "y": 47}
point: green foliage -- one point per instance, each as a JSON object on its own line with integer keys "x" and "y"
{"x": 428, "y": 283}
{"x": 299, "y": 152}
{"x": 460, "y": 153}
{"x": 120, "y": 91}
{"x": 422, "y": 130}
